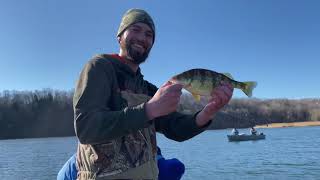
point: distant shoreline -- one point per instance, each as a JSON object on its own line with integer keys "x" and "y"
{"x": 292, "y": 124}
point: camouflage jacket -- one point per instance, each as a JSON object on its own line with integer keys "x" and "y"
{"x": 116, "y": 139}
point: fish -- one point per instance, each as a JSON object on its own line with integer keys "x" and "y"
{"x": 201, "y": 82}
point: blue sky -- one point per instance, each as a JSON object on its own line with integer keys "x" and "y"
{"x": 44, "y": 44}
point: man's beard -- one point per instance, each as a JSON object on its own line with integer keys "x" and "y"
{"x": 135, "y": 56}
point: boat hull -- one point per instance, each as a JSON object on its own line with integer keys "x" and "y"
{"x": 246, "y": 137}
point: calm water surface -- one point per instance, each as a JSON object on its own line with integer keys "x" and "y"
{"x": 287, "y": 153}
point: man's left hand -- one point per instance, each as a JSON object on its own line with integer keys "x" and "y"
{"x": 220, "y": 97}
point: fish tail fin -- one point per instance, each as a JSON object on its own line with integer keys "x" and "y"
{"x": 248, "y": 87}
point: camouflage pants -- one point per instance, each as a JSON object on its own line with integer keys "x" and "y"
{"x": 148, "y": 170}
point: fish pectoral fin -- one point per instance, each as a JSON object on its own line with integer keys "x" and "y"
{"x": 228, "y": 75}
{"x": 197, "y": 97}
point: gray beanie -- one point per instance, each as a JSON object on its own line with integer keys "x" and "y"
{"x": 133, "y": 16}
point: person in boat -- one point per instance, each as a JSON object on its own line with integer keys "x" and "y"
{"x": 235, "y": 131}
{"x": 254, "y": 131}
{"x": 169, "y": 169}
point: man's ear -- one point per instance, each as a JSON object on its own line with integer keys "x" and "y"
{"x": 119, "y": 39}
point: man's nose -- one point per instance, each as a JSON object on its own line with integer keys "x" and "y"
{"x": 141, "y": 36}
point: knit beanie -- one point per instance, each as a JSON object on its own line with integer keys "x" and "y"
{"x": 133, "y": 16}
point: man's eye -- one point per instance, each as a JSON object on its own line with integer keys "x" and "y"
{"x": 135, "y": 30}
{"x": 149, "y": 35}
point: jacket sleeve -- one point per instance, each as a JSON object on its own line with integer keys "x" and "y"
{"x": 94, "y": 120}
{"x": 178, "y": 126}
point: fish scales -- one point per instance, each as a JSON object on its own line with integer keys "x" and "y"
{"x": 201, "y": 82}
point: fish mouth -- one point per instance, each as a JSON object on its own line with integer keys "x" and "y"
{"x": 173, "y": 80}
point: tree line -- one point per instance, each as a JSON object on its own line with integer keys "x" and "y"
{"x": 247, "y": 112}
{"x": 43, "y": 113}
{"x": 49, "y": 113}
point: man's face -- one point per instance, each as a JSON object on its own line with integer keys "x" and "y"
{"x": 136, "y": 42}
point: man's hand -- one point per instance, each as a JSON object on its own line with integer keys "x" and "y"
{"x": 164, "y": 101}
{"x": 220, "y": 97}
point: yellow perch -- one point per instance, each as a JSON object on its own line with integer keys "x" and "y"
{"x": 201, "y": 82}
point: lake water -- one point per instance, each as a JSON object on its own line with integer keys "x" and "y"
{"x": 287, "y": 153}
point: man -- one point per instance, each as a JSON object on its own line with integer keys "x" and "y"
{"x": 253, "y": 131}
{"x": 117, "y": 112}
{"x": 235, "y": 131}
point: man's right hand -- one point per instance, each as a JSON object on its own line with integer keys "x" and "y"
{"x": 165, "y": 100}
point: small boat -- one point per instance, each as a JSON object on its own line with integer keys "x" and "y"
{"x": 246, "y": 137}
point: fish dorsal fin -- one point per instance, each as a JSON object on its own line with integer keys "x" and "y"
{"x": 197, "y": 97}
{"x": 228, "y": 75}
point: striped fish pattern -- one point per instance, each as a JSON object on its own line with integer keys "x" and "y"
{"x": 201, "y": 82}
